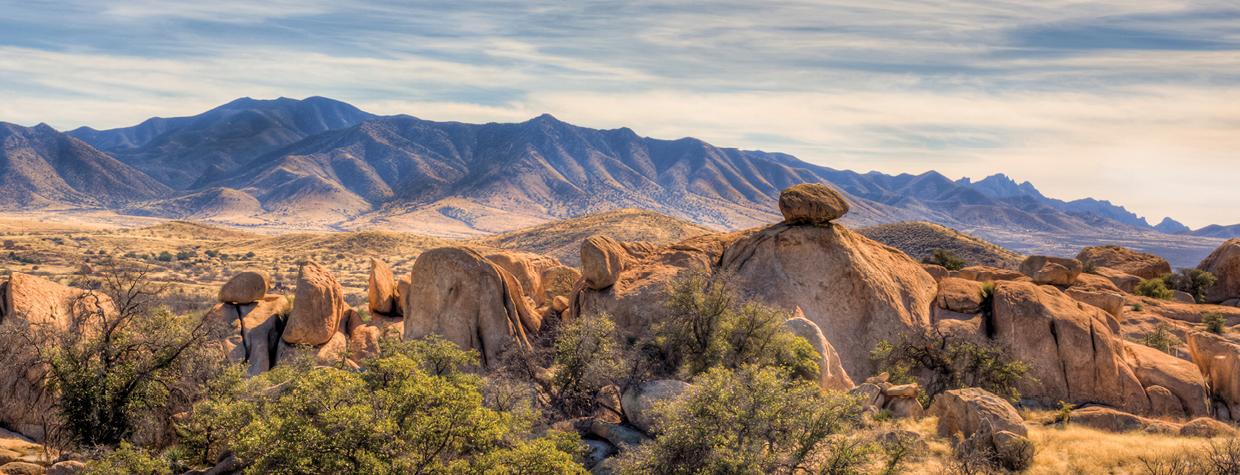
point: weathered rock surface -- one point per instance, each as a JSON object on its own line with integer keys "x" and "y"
{"x": 960, "y": 295}
{"x": 1072, "y": 352}
{"x": 1224, "y": 263}
{"x": 811, "y": 203}
{"x": 1219, "y": 360}
{"x": 402, "y": 289}
{"x": 1123, "y": 280}
{"x": 1111, "y": 420}
{"x": 1051, "y": 270}
{"x": 1206, "y": 427}
{"x": 318, "y": 307}
{"x": 253, "y": 330}
{"x": 1140, "y": 264}
{"x": 542, "y": 278}
{"x": 330, "y": 353}
{"x": 969, "y": 410}
{"x": 831, "y": 373}
{"x": 988, "y": 274}
{"x": 602, "y": 260}
{"x": 381, "y": 293}
{"x": 460, "y": 295}
{"x": 1180, "y": 378}
{"x": 639, "y": 401}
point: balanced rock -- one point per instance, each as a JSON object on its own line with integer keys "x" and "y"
{"x": 245, "y": 287}
{"x": 1051, "y": 270}
{"x": 460, "y": 295}
{"x": 831, "y": 374}
{"x": 639, "y": 401}
{"x": 811, "y": 203}
{"x": 318, "y": 307}
{"x": 1224, "y": 263}
{"x": 381, "y": 293}
{"x": 1140, "y": 264}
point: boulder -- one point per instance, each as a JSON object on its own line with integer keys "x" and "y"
{"x": 1072, "y": 351}
{"x": 1224, "y": 263}
{"x": 989, "y": 274}
{"x": 901, "y": 390}
{"x": 1163, "y": 403}
{"x": 252, "y": 330}
{"x": 364, "y": 342}
{"x": 1140, "y": 264}
{"x": 607, "y": 405}
{"x": 1123, "y": 280}
{"x": 811, "y": 203}
{"x": 905, "y": 408}
{"x": 542, "y": 278}
{"x": 936, "y": 271}
{"x": 1013, "y": 451}
{"x": 602, "y": 259}
{"x": 1111, "y": 303}
{"x": 1178, "y": 377}
{"x": 967, "y": 411}
{"x": 960, "y": 295}
{"x": 402, "y": 289}
{"x": 870, "y": 395}
{"x": 330, "y": 353}
{"x": 1051, "y": 270}
{"x": 318, "y": 307}
{"x": 67, "y": 467}
{"x": 245, "y": 287}
{"x": 620, "y": 436}
{"x": 1111, "y": 420}
{"x": 381, "y": 293}
{"x": 460, "y": 295}
{"x": 831, "y": 372}
{"x": 1219, "y": 360}
{"x": 1182, "y": 297}
{"x": 1206, "y": 427}
{"x": 639, "y": 401}
{"x": 22, "y": 468}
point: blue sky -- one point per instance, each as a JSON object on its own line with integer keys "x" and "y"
{"x": 1136, "y": 102}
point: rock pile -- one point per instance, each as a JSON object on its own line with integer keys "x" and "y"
{"x": 900, "y": 400}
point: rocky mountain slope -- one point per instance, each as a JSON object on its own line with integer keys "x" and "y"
{"x": 323, "y": 164}
{"x": 920, "y": 239}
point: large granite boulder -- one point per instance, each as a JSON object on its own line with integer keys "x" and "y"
{"x": 1218, "y": 358}
{"x": 1051, "y": 270}
{"x": 811, "y": 203}
{"x": 831, "y": 374}
{"x": 1224, "y": 263}
{"x": 318, "y": 307}
{"x": 381, "y": 292}
{"x": 1140, "y": 264}
{"x": 253, "y": 330}
{"x": 245, "y": 287}
{"x": 639, "y": 401}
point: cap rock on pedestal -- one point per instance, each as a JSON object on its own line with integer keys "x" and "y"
{"x": 811, "y": 203}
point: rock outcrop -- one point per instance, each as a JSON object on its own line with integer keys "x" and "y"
{"x": 245, "y": 287}
{"x": 1122, "y": 280}
{"x": 639, "y": 401}
{"x": 1111, "y": 420}
{"x": 1140, "y": 264}
{"x": 1219, "y": 360}
{"x": 458, "y": 294}
{"x": 1175, "y": 376}
{"x": 253, "y": 330}
{"x": 381, "y": 292}
{"x": 1224, "y": 263}
{"x": 542, "y": 278}
{"x": 1072, "y": 349}
{"x": 986, "y": 422}
{"x": 318, "y": 307}
{"x": 1051, "y": 270}
{"x": 811, "y": 203}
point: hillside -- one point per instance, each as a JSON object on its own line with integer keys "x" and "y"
{"x": 921, "y": 239}
{"x": 562, "y": 239}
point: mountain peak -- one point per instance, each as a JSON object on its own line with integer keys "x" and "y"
{"x": 1171, "y": 226}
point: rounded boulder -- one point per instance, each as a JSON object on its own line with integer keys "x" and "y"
{"x": 811, "y": 203}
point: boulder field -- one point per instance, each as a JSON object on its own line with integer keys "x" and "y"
{"x": 1074, "y": 323}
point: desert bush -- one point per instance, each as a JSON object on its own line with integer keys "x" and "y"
{"x": 1154, "y": 288}
{"x": 1161, "y": 339}
{"x": 587, "y": 357}
{"x": 748, "y": 420}
{"x": 1193, "y": 281}
{"x": 127, "y": 460}
{"x": 412, "y": 410}
{"x": 945, "y": 258}
{"x": 1215, "y": 323}
{"x": 1220, "y": 457}
{"x": 709, "y": 327}
{"x": 939, "y": 361}
{"x": 164, "y": 256}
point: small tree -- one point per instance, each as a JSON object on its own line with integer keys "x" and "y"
{"x": 1215, "y": 323}
{"x": 945, "y": 258}
{"x": 586, "y": 358}
{"x": 1154, "y": 288}
{"x": 940, "y": 361}
{"x": 1193, "y": 281}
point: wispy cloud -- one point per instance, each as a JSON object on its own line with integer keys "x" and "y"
{"x": 1129, "y": 101}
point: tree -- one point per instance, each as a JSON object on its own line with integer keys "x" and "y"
{"x": 1193, "y": 281}
{"x": 586, "y": 359}
{"x": 122, "y": 362}
{"x": 749, "y": 420}
{"x": 1215, "y": 323}
{"x": 941, "y": 361}
{"x": 945, "y": 258}
{"x": 1154, "y": 288}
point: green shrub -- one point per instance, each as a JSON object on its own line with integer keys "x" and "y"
{"x": 709, "y": 327}
{"x": 939, "y": 362}
{"x": 127, "y": 460}
{"x": 748, "y": 420}
{"x": 586, "y": 357}
{"x": 1154, "y": 288}
{"x": 1161, "y": 339}
{"x": 1215, "y": 323}
{"x": 164, "y": 256}
{"x": 1193, "y": 281}
{"x": 945, "y": 258}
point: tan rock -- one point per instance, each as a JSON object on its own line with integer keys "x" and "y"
{"x": 1111, "y": 420}
{"x": 559, "y": 304}
{"x": 460, "y": 295}
{"x": 811, "y": 203}
{"x": 1051, "y": 270}
{"x": 22, "y": 468}
{"x": 245, "y": 287}
{"x": 1224, "y": 263}
{"x": 607, "y": 405}
{"x": 960, "y": 295}
{"x": 1219, "y": 360}
{"x": 1207, "y": 427}
{"x": 936, "y": 271}
{"x": 901, "y": 391}
{"x": 252, "y": 335}
{"x": 318, "y": 307}
{"x": 870, "y": 394}
{"x": 402, "y": 289}
{"x": 1108, "y": 302}
{"x": 331, "y": 353}
{"x": 1182, "y": 297}
{"x": 1072, "y": 352}
{"x": 989, "y": 274}
{"x": 831, "y": 373}
{"x": 967, "y": 411}
{"x": 1163, "y": 403}
{"x": 602, "y": 259}
{"x": 1123, "y": 280}
{"x": 1181, "y": 378}
{"x": 905, "y": 408}
{"x": 1140, "y": 264}
{"x": 639, "y": 401}
{"x": 67, "y": 467}
{"x": 364, "y": 342}
{"x": 381, "y": 290}
{"x": 541, "y": 277}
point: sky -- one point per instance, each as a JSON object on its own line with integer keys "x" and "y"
{"x": 1134, "y": 102}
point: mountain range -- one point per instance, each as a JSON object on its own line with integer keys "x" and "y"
{"x": 324, "y": 164}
